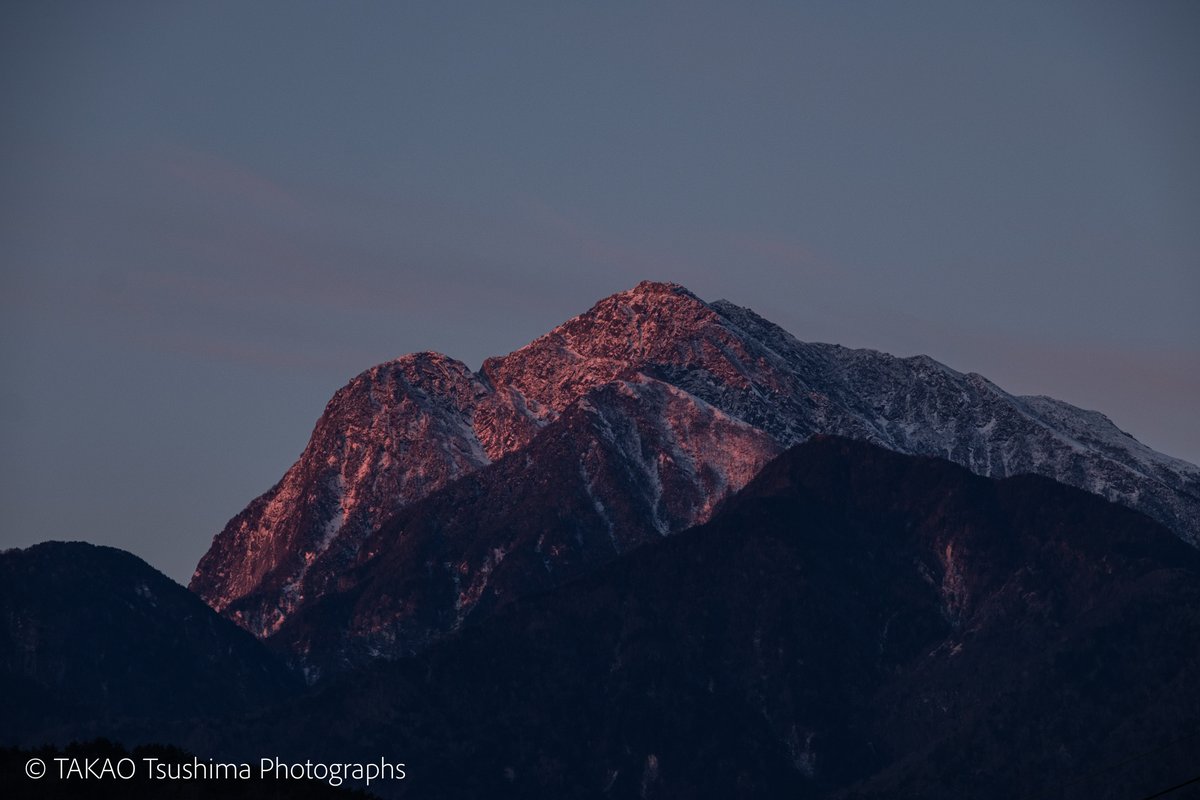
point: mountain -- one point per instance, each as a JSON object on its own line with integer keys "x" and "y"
{"x": 631, "y": 462}
{"x": 854, "y": 623}
{"x": 390, "y": 436}
{"x": 96, "y": 634}
{"x": 640, "y": 416}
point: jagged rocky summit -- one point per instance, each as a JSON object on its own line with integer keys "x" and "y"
{"x": 429, "y": 492}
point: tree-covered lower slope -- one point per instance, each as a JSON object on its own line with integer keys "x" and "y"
{"x": 91, "y": 636}
{"x": 854, "y": 623}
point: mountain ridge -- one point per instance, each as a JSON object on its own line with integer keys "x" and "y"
{"x": 406, "y": 429}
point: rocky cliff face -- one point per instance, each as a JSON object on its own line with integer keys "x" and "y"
{"x": 630, "y": 462}
{"x": 392, "y": 435}
{"x": 639, "y": 416}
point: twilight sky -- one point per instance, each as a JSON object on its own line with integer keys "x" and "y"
{"x": 214, "y": 214}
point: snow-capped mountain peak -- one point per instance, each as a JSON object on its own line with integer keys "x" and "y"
{"x": 677, "y": 402}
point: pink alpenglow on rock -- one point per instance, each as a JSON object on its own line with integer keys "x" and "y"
{"x": 641, "y": 414}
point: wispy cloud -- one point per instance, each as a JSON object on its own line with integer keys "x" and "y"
{"x": 221, "y": 178}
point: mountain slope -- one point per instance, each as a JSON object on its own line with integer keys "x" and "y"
{"x": 406, "y": 429}
{"x": 390, "y": 436}
{"x": 94, "y": 633}
{"x": 854, "y": 623}
{"x": 629, "y": 462}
